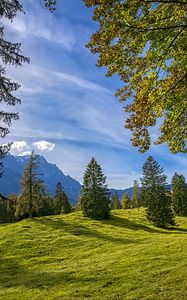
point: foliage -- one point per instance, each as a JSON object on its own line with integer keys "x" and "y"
{"x": 3, "y": 209}
{"x": 33, "y": 191}
{"x": 50, "y": 5}
{"x": 135, "y": 197}
{"x": 72, "y": 257}
{"x": 144, "y": 42}
{"x": 158, "y": 202}
{"x": 126, "y": 201}
{"x": 179, "y": 194}
{"x": 94, "y": 195}
{"x": 61, "y": 202}
{"x": 11, "y": 208}
{"x": 10, "y": 54}
{"x": 44, "y": 203}
{"x": 115, "y": 203}
{"x": 3, "y": 151}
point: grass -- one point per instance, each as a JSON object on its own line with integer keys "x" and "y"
{"x": 72, "y": 257}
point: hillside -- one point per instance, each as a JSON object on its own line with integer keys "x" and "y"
{"x": 72, "y": 257}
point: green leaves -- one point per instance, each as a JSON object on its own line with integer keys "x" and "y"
{"x": 144, "y": 42}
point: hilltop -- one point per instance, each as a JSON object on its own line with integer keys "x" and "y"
{"x": 73, "y": 257}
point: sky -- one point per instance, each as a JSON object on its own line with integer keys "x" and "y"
{"x": 69, "y": 113}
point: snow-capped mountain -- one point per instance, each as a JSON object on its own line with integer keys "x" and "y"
{"x": 13, "y": 170}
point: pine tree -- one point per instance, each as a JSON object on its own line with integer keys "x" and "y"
{"x": 11, "y": 207}
{"x": 3, "y": 209}
{"x": 44, "y": 203}
{"x": 61, "y": 202}
{"x": 126, "y": 202}
{"x": 115, "y": 203}
{"x": 158, "y": 202}
{"x": 33, "y": 190}
{"x": 135, "y": 197}
{"x": 94, "y": 198}
{"x": 10, "y": 54}
{"x": 179, "y": 194}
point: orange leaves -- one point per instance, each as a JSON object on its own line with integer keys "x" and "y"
{"x": 145, "y": 45}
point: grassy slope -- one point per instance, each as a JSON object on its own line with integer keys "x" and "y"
{"x": 72, "y": 257}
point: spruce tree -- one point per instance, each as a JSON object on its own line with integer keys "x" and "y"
{"x": 11, "y": 207}
{"x": 126, "y": 202}
{"x": 158, "y": 202}
{"x": 115, "y": 203}
{"x": 3, "y": 209}
{"x": 135, "y": 197}
{"x": 33, "y": 190}
{"x": 179, "y": 194}
{"x": 10, "y": 54}
{"x": 61, "y": 201}
{"x": 94, "y": 198}
{"x": 44, "y": 203}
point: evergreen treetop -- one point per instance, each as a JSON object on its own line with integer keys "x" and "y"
{"x": 33, "y": 188}
{"x": 179, "y": 194}
{"x": 136, "y": 197}
{"x": 126, "y": 201}
{"x": 115, "y": 203}
{"x": 10, "y": 54}
{"x": 61, "y": 202}
{"x": 158, "y": 203}
{"x": 94, "y": 196}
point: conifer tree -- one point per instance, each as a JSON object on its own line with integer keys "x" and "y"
{"x": 61, "y": 202}
{"x": 11, "y": 207}
{"x": 33, "y": 189}
{"x": 158, "y": 202}
{"x": 135, "y": 197}
{"x": 115, "y": 203}
{"x": 126, "y": 201}
{"x": 43, "y": 201}
{"x": 179, "y": 194}
{"x": 3, "y": 209}
{"x": 94, "y": 198}
{"x": 10, "y": 54}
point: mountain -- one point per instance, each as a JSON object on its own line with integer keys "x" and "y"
{"x": 13, "y": 171}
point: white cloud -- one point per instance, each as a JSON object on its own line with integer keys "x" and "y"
{"x": 25, "y": 153}
{"x": 19, "y": 147}
{"x": 35, "y": 79}
{"x": 33, "y": 25}
{"x": 44, "y": 146}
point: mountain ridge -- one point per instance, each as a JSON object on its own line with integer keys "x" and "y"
{"x": 13, "y": 171}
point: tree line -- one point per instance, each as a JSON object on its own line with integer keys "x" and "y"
{"x": 144, "y": 43}
{"x": 95, "y": 200}
{"x": 34, "y": 199}
{"x": 162, "y": 205}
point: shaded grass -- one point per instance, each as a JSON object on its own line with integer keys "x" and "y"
{"x": 73, "y": 257}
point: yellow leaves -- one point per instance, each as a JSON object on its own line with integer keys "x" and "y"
{"x": 146, "y": 46}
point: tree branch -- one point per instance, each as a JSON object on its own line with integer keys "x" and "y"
{"x": 164, "y": 1}
{"x": 157, "y": 28}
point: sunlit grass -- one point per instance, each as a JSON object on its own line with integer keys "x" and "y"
{"x": 72, "y": 257}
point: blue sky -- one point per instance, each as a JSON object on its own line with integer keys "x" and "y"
{"x": 69, "y": 112}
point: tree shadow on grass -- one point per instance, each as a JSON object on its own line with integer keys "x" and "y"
{"x": 81, "y": 230}
{"x": 13, "y": 274}
{"x": 128, "y": 224}
{"x": 115, "y": 221}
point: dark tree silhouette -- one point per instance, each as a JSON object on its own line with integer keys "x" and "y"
{"x": 10, "y": 54}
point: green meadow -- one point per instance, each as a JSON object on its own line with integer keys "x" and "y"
{"x": 73, "y": 257}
